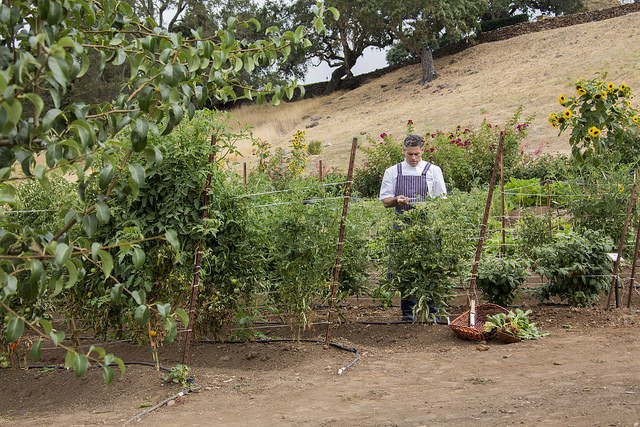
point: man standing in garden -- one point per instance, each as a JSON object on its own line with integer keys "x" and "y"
{"x": 406, "y": 183}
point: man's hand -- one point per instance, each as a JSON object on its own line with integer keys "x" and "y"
{"x": 391, "y": 202}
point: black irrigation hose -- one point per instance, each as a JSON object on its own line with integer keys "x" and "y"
{"x": 275, "y": 340}
{"x": 162, "y": 368}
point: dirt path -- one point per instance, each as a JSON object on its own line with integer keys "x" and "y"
{"x": 585, "y": 373}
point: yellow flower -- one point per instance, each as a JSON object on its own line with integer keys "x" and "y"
{"x": 562, "y": 99}
{"x": 635, "y": 119}
{"x": 581, "y": 91}
{"x": 611, "y": 87}
{"x": 567, "y": 113}
{"x": 594, "y": 132}
{"x": 553, "y": 116}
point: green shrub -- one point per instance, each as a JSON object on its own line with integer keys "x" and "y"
{"x": 576, "y": 266}
{"x": 380, "y": 155}
{"x": 500, "y": 277}
{"x": 315, "y": 147}
{"x": 430, "y": 246}
{"x": 467, "y": 156}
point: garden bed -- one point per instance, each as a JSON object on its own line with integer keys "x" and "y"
{"x": 407, "y": 374}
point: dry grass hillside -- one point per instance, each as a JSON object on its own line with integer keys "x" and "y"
{"x": 486, "y": 82}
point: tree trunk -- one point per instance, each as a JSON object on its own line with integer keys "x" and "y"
{"x": 428, "y": 67}
{"x": 336, "y": 76}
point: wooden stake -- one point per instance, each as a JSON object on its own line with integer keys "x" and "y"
{"x": 320, "y": 170}
{"x": 198, "y": 259}
{"x": 549, "y": 208}
{"x": 503, "y": 246}
{"x": 632, "y": 279}
{"x": 613, "y": 289}
{"x": 485, "y": 218}
{"x": 343, "y": 220}
{"x": 244, "y": 173}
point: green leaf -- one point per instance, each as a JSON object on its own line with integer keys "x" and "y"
{"x": 120, "y": 364}
{"x": 11, "y": 286}
{"x": 102, "y": 212}
{"x": 36, "y": 101}
{"x": 184, "y": 316}
{"x": 172, "y": 330}
{"x": 90, "y": 224}
{"x": 154, "y": 155}
{"x": 106, "y": 176}
{"x": 107, "y": 374}
{"x": 116, "y": 292}
{"x": 139, "y": 134}
{"x": 15, "y": 329}
{"x": 59, "y": 69}
{"x": 63, "y": 253}
{"x": 35, "y": 352}
{"x": 138, "y": 297}
{"x": 138, "y": 257}
{"x": 46, "y": 325}
{"x": 141, "y": 314}
{"x": 81, "y": 365}
{"x": 172, "y": 238}
{"x": 70, "y": 359}
{"x": 56, "y": 337}
{"x": 7, "y": 194}
{"x": 163, "y": 309}
{"x": 107, "y": 262}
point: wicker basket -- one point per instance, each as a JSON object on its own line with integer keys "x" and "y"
{"x": 462, "y": 329}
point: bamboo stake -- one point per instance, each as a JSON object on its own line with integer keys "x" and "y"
{"x": 198, "y": 259}
{"x": 343, "y": 220}
{"x": 485, "y": 218}
{"x": 623, "y": 235}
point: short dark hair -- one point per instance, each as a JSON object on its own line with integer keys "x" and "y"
{"x": 413, "y": 141}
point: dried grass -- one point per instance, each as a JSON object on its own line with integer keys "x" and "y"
{"x": 488, "y": 81}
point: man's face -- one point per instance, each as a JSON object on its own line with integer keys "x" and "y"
{"x": 413, "y": 155}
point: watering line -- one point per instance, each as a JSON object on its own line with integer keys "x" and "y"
{"x": 290, "y": 190}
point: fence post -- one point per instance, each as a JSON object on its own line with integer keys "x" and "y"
{"x": 343, "y": 220}
{"x": 244, "y": 173}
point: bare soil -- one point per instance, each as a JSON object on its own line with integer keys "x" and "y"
{"x": 584, "y": 373}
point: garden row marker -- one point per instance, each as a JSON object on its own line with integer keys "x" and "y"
{"x": 198, "y": 258}
{"x": 623, "y": 236}
{"x": 632, "y": 279}
{"x": 343, "y": 220}
{"x": 485, "y": 218}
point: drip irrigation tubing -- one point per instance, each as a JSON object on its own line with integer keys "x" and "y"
{"x": 334, "y": 344}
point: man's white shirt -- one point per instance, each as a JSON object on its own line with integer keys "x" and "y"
{"x": 435, "y": 180}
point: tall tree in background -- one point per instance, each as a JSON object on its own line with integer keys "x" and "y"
{"x": 425, "y": 25}
{"x": 361, "y": 25}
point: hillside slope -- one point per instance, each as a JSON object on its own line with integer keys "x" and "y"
{"x": 488, "y": 81}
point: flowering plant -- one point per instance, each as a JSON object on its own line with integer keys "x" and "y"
{"x": 602, "y": 121}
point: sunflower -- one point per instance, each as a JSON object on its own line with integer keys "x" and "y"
{"x": 611, "y": 87}
{"x": 594, "y": 132}
{"x": 581, "y": 91}
{"x": 567, "y": 113}
{"x": 562, "y": 99}
{"x": 635, "y": 119}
